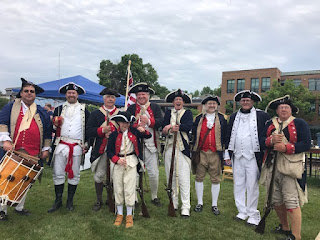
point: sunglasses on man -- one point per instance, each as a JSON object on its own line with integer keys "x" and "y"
{"x": 26, "y": 91}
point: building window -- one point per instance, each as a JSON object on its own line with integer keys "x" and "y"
{"x": 240, "y": 85}
{"x": 255, "y": 84}
{"x": 314, "y": 84}
{"x": 297, "y": 82}
{"x": 282, "y": 82}
{"x": 230, "y": 86}
{"x": 265, "y": 86}
{"x": 229, "y": 107}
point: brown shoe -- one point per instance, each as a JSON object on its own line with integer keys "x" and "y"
{"x": 129, "y": 221}
{"x": 118, "y": 220}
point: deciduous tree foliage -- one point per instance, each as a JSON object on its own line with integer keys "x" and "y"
{"x": 114, "y": 75}
{"x": 300, "y": 95}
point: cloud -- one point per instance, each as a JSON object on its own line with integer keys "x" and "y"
{"x": 189, "y": 43}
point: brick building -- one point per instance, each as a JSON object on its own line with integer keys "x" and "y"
{"x": 260, "y": 80}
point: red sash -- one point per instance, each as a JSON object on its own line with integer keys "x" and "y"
{"x": 68, "y": 168}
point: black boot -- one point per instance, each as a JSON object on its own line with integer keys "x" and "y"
{"x": 71, "y": 191}
{"x": 58, "y": 202}
{"x": 99, "y": 189}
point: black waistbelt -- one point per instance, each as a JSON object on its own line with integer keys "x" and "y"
{"x": 128, "y": 154}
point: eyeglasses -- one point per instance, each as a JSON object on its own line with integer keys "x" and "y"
{"x": 26, "y": 91}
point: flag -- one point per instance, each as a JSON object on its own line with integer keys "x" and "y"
{"x": 131, "y": 96}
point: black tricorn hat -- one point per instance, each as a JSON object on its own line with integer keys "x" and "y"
{"x": 283, "y": 100}
{"x": 211, "y": 98}
{"x": 171, "y": 96}
{"x": 123, "y": 117}
{"x": 71, "y": 86}
{"x": 141, "y": 87}
{"x": 28, "y": 83}
{"x": 108, "y": 91}
{"x": 247, "y": 94}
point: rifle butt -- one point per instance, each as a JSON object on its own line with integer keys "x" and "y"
{"x": 111, "y": 205}
{"x": 171, "y": 211}
{"x": 144, "y": 210}
{"x": 261, "y": 226}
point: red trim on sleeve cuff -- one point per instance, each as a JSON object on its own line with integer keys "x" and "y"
{"x": 99, "y": 131}
{"x": 152, "y": 122}
{"x": 115, "y": 159}
{"x": 268, "y": 141}
{"x": 147, "y": 133}
{"x": 135, "y": 125}
{"x": 290, "y": 148}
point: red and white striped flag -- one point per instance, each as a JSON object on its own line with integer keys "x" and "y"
{"x": 131, "y": 96}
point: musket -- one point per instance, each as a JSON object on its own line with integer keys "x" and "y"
{"x": 109, "y": 186}
{"x": 144, "y": 209}
{"x": 171, "y": 210}
{"x": 261, "y": 226}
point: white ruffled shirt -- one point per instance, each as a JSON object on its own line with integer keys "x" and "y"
{"x": 210, "y": 119}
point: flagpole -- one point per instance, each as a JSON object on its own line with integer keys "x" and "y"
{"x": 127, "y": 88}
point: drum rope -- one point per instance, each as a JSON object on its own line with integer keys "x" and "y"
{"x": 21, "y": 185}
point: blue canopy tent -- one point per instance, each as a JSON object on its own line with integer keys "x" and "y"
{"x": 51, "y": 90}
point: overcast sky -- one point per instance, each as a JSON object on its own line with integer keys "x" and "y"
{"x": 189, "y": 43}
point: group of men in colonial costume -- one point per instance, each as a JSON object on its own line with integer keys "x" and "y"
{"x": 128, "y": 142}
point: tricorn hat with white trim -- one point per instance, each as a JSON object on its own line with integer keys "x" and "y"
{"x": 141, "y": 87}
{"x": 247, "y": 94}
{"x": 211, "y": 98}
{"x": 171, "y": 96}
{"x": 282, "y": 100}
{"x": 71, "y": 86}
{"x": 123, "y": 117}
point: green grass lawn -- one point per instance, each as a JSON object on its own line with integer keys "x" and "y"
{"x": 83, "y": 223}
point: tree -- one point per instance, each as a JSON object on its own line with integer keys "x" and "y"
{"x": 208, "y": 91}
{"x": 114, "y": 75}
{"x": 217, "y": 91}
{"x": 300, "y": 95}
{"x": 3, "y": 101}
{"x": 196, "y": 93}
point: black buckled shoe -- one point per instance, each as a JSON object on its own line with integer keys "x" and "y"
{"x": 215, "y": 210}
{"x": 290, "y": 237}
{"x": 3, "y": 216}
{"x": 156, "y": 202}
{"x": 251, "y": 225}
{"x": 97, "y": 206}
{"x": 279, "y": 230}
{"x": 23, "y": 212}
{"x": 185, "y": 216}
{"x": 237, "y": 219}
{"x": 198, "y": 208}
